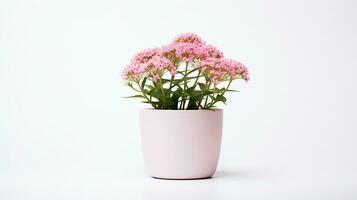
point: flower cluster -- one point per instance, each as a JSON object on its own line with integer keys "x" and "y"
{"x": 188, "y": 38}
{"x": 149, "y": 62}
{"x": 221, "y": 69}
{"x": 185, "y": 48}
{"x": 200, "y": 74}
{"x": 190, "y": 48}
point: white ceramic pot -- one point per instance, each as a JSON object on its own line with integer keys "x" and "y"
{"x": 181, "y": 144}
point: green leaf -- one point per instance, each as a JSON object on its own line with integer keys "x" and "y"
{"x": 192, "y": 105}
{"x": 178, "y": 80}
{"x": 179, "y": 72}
{"x": 190, "y": 90}
{"x": 220, "y": 90}
{"x": 195, "y": 69}
{"x": 164, "y": 80}
{"x": 153, "y": 102}
{"x": 143, "y": 82}
{"x": 175, "y": 99}
{"x": 135, "y": 96}
{"x": 202, "y": 86}
{"x": 221, "y": 98}
{"x": 232, "y": 91}
{"x": 154, "y": 93}
{"x": 150, "y": 87}
{"x": 190, "y": 78}
{"x": 175, "y": 84}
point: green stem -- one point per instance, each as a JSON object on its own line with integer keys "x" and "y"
{"x": 199, "y": 73}
{"x": 163, "y": 93}
{"x": 134, "y": 88}
{"x": 230, "y": 81}
{"x": 172, "y": 79}
{"x": 224, "y": 91}
{"x": 146, "y": 97}
{"x": 206, "y": 100}
{"x": 183, "y": 102}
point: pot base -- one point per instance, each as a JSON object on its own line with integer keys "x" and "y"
{"x": 181, "y": 179}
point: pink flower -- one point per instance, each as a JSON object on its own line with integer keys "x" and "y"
{"x": 132, "y": 73}
{"x": 220, "y": 69}
{"x": 184, "y": 52}
{"x": 150, "y": 63}
{"x": 187, "y": 47}
{"x": 145, "y": 55}
{"x": 157, "y": 66}
{"x": 213, "y": 52}
{"x": 188, "y": 38}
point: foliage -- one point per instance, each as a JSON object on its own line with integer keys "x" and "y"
{"x": 186, "y": 74}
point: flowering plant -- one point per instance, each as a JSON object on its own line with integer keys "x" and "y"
{"x": 186, "y": 74}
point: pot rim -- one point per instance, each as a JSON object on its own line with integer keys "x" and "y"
{"x": 199, "y": 110}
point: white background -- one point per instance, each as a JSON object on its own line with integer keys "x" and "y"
{"x": 66, "y": 133}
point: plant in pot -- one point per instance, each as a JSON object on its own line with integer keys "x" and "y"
{"x": 182, "y": 82}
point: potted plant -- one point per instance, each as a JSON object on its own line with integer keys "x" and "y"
{"x": 182, "y": 82}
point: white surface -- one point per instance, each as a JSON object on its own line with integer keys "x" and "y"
{"x": 65, "y": 133}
